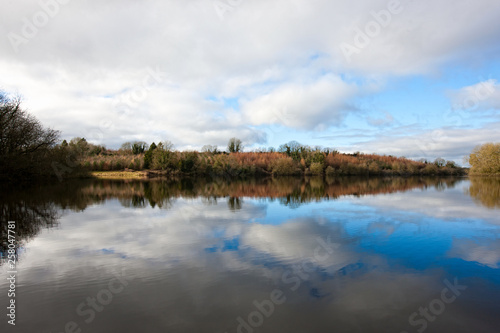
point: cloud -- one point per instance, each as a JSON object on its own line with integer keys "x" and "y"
{"x": 415, "y": 207}
{"x": 112, "y": 108}
{"x": 302, "y": 105}
{"x": 386, "y": 120}
{"x": 481, "y": 96}
{"x": 421, "y": 37}
{"x": 280, "y": 60}
{"x": 164, "y": 252}
{"x": 487, "y": 253}
{"x": 192, "y": 39}
{"x": 297, "y": 240}
{"x": 449, "y": 143}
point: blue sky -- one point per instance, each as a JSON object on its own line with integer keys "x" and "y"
{"x": 407, "y": 78}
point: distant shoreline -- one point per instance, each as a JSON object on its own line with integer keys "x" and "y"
{"x": 119, "y": 174}
{"x": 155, "y": 174}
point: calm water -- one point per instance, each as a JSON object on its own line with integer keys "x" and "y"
{"x": 287, "y": 255}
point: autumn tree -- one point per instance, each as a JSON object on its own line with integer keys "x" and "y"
{"x": 485, "y": 159}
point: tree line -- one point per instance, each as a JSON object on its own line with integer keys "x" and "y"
{"x": 29, "y": 150}
{"x": 291, "y": 158}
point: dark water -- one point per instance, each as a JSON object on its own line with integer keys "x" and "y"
{"x": 287, "y": 255}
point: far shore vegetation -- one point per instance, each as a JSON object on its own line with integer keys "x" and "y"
{"x": 289, "y": 159}
{"x": 28, "y": 150}
{"x": 485, "y": 160}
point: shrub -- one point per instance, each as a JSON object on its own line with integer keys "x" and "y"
{"x": 330, "y": 171}
{"x": 430, "y": 169}
{"x": 283, "y": 166}
{"x": 163, "y": 160}
{"x": 188, "y": 161}
{"x": 485, "y": 159}
{"x": 138, "y": 164}
{"x": 318, "y": 157}
{"x": 373, "y": 168}
{"x": 451, "y": 164}
{"x": 316, "y": 168}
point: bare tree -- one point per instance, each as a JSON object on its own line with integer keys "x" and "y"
{"x": 25, "y": 144}
{"x": 209, "y": 149}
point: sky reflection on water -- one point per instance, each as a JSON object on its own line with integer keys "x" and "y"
{"x": 201, "y": 261}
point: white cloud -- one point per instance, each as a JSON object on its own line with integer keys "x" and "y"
{"x": 190, "y": 38}
{"x": 424, "y": 35}
{"x": 277, "y": 56}
{"x": 412, "y": 205}
{"x": 484, "y": 95}
{"x": 302, "y": 105}
{"x": 487, "y": 253}
{"x": 297, "y": 240}
{"x": 448, "y": 143}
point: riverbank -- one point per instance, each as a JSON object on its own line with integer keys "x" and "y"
{"x": 155, "y": 174}
{"x": 119, "y": 174}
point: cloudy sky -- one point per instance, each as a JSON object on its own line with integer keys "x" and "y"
{"x": 407, "y": 78}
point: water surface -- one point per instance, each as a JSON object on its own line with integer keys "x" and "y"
{"x": 282, "y": 255}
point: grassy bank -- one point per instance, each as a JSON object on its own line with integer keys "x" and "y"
{"x": 119, "y": 174}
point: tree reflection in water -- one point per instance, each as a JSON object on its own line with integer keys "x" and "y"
{"x": 31, "y": 214}
{"x": 41, "y": 206}
{"x": 485, "y": 191}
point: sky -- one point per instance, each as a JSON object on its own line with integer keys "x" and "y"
{"x": 409, "y": 78}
